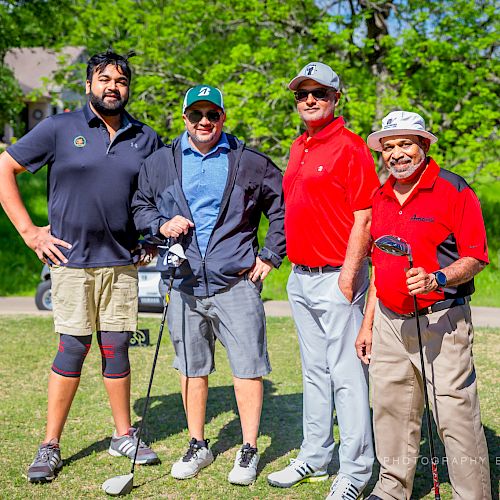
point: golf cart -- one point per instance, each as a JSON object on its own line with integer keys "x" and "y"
{"x": 150, "y": 299}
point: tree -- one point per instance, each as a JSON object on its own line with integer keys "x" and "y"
{"x": 27, "y": 23}
{"x": 437, "y": 58}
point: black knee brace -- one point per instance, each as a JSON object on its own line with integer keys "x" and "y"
{"x": 71, "y": 355}
{"x": 114, "y": 353}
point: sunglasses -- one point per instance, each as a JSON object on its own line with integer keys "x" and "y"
{"x": 196, "y": 115}
{"x": 318, "y": 94}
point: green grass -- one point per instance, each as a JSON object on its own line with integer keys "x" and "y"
{"x": 28, "y": 346}
{"x": 21, "y": 268}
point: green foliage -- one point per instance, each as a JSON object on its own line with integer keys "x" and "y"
{"x": 437, "y": 58}
{"x": 10, "y": 96}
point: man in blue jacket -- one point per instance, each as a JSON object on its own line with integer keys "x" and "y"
{"x": 210, "y": 189}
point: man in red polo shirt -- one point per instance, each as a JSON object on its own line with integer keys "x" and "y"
{"x": 439, "y": 215}
{"x": 328, "y": 185}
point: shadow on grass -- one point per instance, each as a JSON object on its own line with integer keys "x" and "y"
{"x": 281, "y": 420}
{"x": 96, "y": 447}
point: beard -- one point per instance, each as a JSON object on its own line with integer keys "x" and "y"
{"x": 107, "y": 108}
{"x": 410, "y": 167}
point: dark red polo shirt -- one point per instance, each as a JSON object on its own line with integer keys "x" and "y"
{"x": 329, "y": 176}
{"x": 442, "y": 222}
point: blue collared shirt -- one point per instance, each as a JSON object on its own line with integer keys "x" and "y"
{"x": 204, "y": 178}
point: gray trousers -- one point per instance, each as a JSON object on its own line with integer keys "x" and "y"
{"x": 327, "y": 326}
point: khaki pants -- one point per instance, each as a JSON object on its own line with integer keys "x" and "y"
{"x": 398, "y": 401}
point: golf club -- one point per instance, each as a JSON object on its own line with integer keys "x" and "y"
{"x": 122, "y": 485}
{"x": 398, "y": 246}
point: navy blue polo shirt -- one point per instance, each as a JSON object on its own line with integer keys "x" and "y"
{"x": 91, "y": 181}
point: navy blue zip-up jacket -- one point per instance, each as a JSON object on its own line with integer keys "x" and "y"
{"x": 253, "y": 188}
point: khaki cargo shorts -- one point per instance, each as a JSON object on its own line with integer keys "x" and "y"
{"x": 86, "y": 300}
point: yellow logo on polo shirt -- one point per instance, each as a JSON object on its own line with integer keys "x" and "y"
{"x": 80, "y": 141}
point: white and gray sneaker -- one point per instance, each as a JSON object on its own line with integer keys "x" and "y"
{"x": 244, "y": 471}
{"x": 125, "y": 446}
{"x": 343, "y": 489}
{"x": 47, "y": 463}
{"x": 297, "y": 472}
{"x": 196, "y": 457}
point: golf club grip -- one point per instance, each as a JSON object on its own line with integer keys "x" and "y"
{"x": 435, "y": 481}
{"x": 435, "y": 478}
{"x": 158, "y": 342}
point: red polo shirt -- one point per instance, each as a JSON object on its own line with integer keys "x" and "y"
{"x": 442, "y": 222}
{"x": 329, "y": 176}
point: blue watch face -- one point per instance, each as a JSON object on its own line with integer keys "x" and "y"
{"x": 440, "y": 278}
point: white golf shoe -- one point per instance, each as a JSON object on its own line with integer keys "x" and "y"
{"x": 196, "y": 458}
{"x": 244, "y": 471}
{"x": 295, "y": 473}
{"x": 343, "y": 489}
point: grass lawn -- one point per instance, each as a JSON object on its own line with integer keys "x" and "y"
{"x": 28, "y": 347}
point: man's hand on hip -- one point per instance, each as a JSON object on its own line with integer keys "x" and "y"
{"x": 41, "y": 241}
{"x": 260, "y": 269}
{"x": 176, "y": 226}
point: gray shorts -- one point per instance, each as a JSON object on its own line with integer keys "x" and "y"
{"x": 235, "y": 317}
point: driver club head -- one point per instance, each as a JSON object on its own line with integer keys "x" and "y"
{"x": 393, "y": 245}
{"x": 119, "y": 485}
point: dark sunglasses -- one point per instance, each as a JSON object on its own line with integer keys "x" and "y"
{"x": 320, "y": 93}
{"x": 196, "y": 115}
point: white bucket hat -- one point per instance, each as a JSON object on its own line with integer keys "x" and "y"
{"x": 400, "y": 123}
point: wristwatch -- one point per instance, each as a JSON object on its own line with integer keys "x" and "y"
{"x": 441, "y": 279}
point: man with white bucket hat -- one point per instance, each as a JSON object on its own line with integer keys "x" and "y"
{"x": 437, "y": 215}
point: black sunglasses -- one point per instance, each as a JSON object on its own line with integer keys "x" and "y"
{"x": 319, "y": 94}
{"x": 196, "y": 115}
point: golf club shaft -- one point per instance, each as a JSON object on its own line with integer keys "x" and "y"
{"x": 435, "y": 478}
{"x": 146, "y": 403}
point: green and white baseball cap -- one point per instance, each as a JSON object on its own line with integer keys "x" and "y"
{"x": 203, "y": 93}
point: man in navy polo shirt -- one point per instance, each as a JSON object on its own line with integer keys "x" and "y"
{"x": 440, "y": 217}
{"x": 211, "y": 189}
{"x": 93, "y": 156}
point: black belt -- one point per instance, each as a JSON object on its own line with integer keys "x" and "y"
{"x": 319, "y": 270}
{"x": 438, "y": 306}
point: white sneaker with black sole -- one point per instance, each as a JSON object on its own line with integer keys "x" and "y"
{"x": 244, "y": 471}
{"x": 343, "y": 489}
{"x": 196, "y": 458}
{"x": 297, "y": 472}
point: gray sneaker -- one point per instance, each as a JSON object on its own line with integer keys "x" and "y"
{"x": 244, "y": 471}
{"x": 196, "y": 458}
{"x": 125, "y": 446}
{"x": 47, "y": 462}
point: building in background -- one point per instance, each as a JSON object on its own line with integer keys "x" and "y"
{"x": 34, "y": 69}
